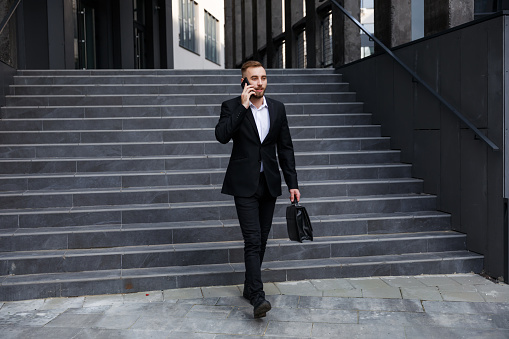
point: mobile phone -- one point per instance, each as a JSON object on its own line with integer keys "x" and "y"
{"x": 244, "y": 83}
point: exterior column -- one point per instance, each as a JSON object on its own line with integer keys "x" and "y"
{"x": 311, "y": 19}
{"x": 229, "y": 33}
{"x": 167, "y": 35}
{"x": 239, "y": 45}
{"x": 261, "y": 29}
{"x": 393, "y": 22}
{"x": 346, "y": 41}
{"x": 440, "y": 15}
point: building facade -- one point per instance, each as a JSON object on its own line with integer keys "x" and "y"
{"x": 114, "y": 34}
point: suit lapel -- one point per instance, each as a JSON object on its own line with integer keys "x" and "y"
{"x": 250, "y": 118}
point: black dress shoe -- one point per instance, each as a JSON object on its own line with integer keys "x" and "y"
{"x": 261, "y": 308}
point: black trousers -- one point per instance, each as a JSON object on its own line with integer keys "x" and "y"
{"x": 255, "y": 216}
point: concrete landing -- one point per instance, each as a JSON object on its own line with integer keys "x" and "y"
{"x": 424, "y": 306}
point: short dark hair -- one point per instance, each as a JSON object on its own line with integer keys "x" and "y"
{"x": 249, "y": 64}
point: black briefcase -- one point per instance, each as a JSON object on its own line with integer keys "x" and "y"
{"x": 298, "y": 223}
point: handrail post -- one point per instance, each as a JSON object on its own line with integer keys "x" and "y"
{"x": 418, "y": 79}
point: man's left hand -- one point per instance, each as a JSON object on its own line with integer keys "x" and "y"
{"x": 294, "y": 194}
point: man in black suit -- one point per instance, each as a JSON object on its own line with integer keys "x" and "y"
{"x": 258, "y": 126}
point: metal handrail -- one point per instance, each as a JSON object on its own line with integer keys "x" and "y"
{"x": 9, "y": 15}
{"x": 418, "y": 79}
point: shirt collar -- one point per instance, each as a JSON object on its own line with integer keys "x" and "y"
{"x": 264, "y": 105}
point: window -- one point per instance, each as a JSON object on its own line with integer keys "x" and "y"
{"x": 301, "y": 50}
{"x": 211, "y": 50}
{"x": 187, "y": 36}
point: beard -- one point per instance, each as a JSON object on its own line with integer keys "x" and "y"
{"x": 259, "y": 94}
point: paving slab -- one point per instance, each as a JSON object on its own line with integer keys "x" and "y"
{"x": 461, "y": 296}
{"x": 305, "y": 288}
{"x": 382, "y": 292}
{"x": 361, "y": 331}
{"x": 300, "y": 315}
{"x": 101, "y": 300}
{"x": 97, "y": 333}
{"x": 144, "y": 297}
{"x": 290, "y": 329}
{"x": 403, "y": 282}
{"x": 117, "y": 321}
{"x": 62, "y": 303}
{"x": 229, "y": 326}
{"x": 422, "y": 332}
{"x": 21, "y": 306}
{"x": 494, "y": 292}
{"x": 361, "y": 304}
{"x": 220, "y": 291}
{"x": 421, "y": 293}
{"x": 368, "y": 283}
{"x": 209, "y": 312}
{"x": 183, "y": 293}
{"x": 354, "y": 293}
{"x": 331, "y": 284}
{"x": 470, "y": 279}
{"x": 41, "y": 333}
{"x": 437, "y": 280}
{"x": 75, "y": 320}
{"x": 466, "y": 307}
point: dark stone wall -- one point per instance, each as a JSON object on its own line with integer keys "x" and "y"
{"x": 466, "y": 66}
{"x": 6, "y": 79}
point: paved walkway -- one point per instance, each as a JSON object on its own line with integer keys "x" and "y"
{"x": 426, "y": 306}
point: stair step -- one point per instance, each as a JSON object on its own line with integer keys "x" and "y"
{"x": 165, "y": 79}
{"x": 180, "y": 162}
{"x": 188, "y": 193}
{"x": 134, "y": 149}
{"x": 151, "y": 110}
{"x": 171, "y": 135}
{"x": 161, "y": 278}
{"x": 136, "y": 89}
{"x": 128, "y": 257}
{"x": 102, "y": 236}
{"x": 163, "y": 99}
{"x": 179, "y": 72}
{"x": 171, "y": 122}
{"x": 197, "y": 211}
{"x": 72, "y": 181}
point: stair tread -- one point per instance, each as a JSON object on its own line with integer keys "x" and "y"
{"x": 155, "y": 206}
{"x": 195, "y": 187}
{"x": 35, "y": 254}
{"x": 230, "y": 268}
{"x": 190, "y": 171}
{"x": 212, "y": 223}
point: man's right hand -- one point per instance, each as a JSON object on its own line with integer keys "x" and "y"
{"x": 246, "y": 95}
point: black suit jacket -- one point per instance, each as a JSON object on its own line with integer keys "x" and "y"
{"x": 243, "y": 172}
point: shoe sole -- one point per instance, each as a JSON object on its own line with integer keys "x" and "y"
{"x": 261, "y": 311}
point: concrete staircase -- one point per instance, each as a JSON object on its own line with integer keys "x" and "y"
{"x": 110, "y": 183}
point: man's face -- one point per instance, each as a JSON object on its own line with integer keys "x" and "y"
{"x": 257, "y": 77}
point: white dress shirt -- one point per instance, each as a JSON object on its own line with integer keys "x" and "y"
{"x": 262, "y": 119}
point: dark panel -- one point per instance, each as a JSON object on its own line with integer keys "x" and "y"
{"x": 427, "y": 108}
{"x": 474, "y": 78}
{"x": 36, "y": 34}
{"x": 427, "y": 159}
{"x": 6, "y": 79}
{"x": 473, "y": 192}
{"x": 450, "y": 84}
{"x": 403, "y": 116}
{"x": 56, "y": 36}
{"x": 384, "y": 92}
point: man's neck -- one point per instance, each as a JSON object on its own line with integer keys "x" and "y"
{"x": 257, "y": 102}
